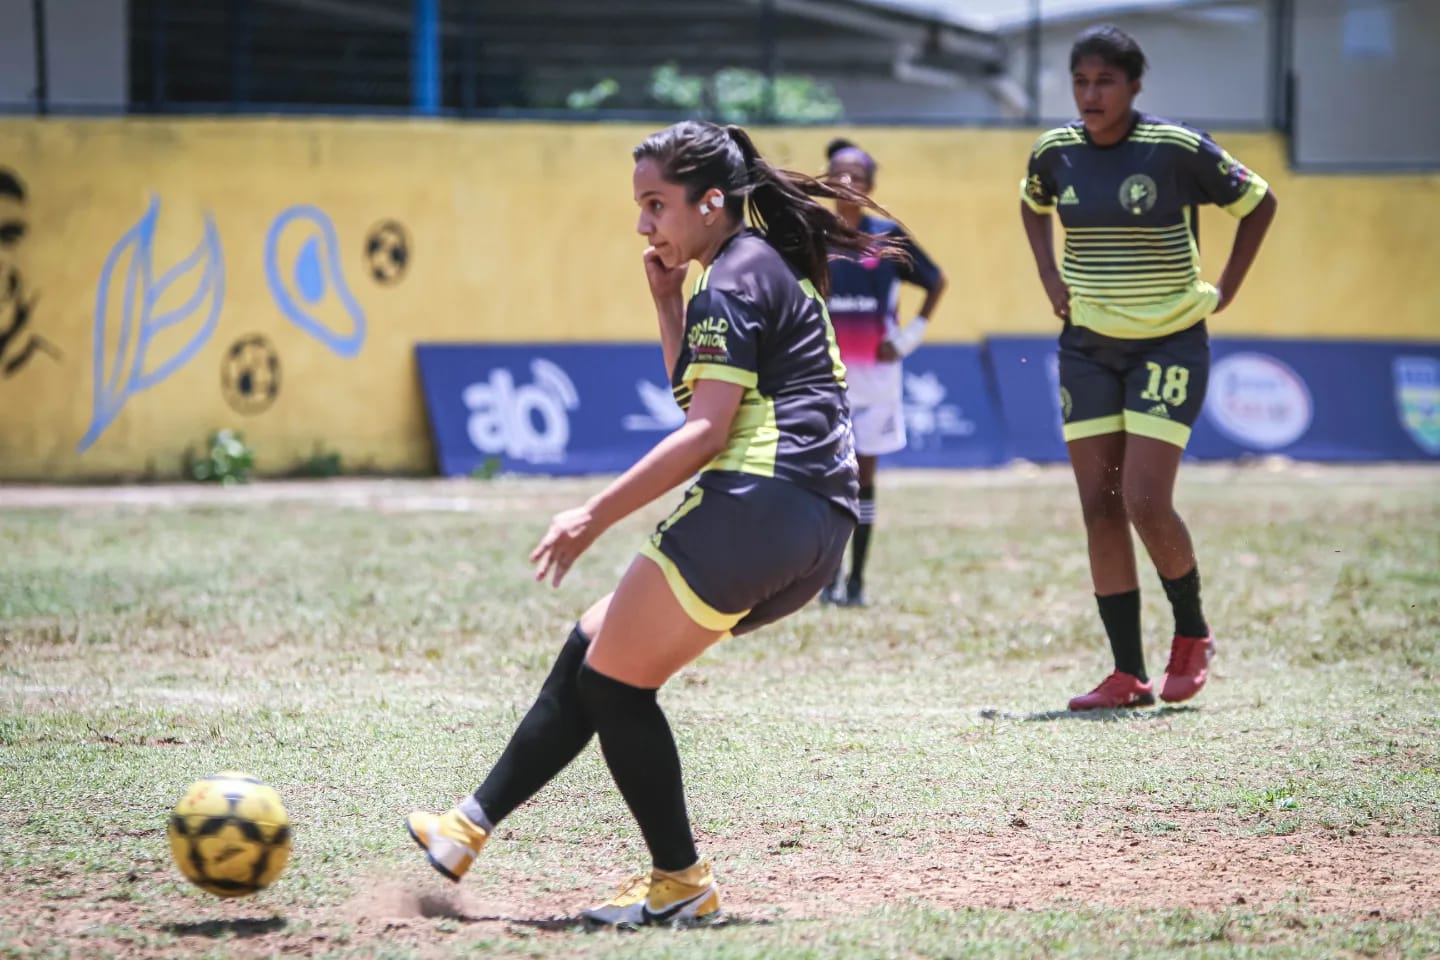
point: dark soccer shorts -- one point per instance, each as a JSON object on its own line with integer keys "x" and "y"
{"x": 737, "y": 560}
{"x": 1150, "y": 388}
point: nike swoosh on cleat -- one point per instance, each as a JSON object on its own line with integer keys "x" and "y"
{"x": 652, "y": 917}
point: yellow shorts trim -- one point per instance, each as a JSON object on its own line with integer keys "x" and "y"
{"x": 1156, "y": 428}
{"x": 1085, "y": 429}
{"x": 697, "y": 609}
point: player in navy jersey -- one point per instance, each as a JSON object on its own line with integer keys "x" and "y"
{"x": 864, "y": 304}
{"x": 753, "y": 362}
{"x": 1134, "y": 350}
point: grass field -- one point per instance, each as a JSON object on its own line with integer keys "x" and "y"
{"x": 896, "y": 782}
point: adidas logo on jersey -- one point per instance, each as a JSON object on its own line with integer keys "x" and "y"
{"x": 1069, "y": 196}
{"x": 1159, "y": 410}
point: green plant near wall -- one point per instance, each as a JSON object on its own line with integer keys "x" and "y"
{"x": 321, "y": 463}
{"x": 226, "y": 459}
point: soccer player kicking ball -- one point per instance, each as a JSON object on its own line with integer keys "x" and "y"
{"x": 752, "y": 360}
{"x": 1134, "y": 351}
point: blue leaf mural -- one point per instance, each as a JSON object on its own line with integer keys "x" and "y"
{"x": 128, "y": 299}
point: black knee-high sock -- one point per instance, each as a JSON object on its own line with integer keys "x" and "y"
{"x": 1121, "y": 615}
{"x": 640, "y": 752}
{"x": 1184, "y": 594}
{"x": 861, "y": 541}
{"x": 552, "y": 734}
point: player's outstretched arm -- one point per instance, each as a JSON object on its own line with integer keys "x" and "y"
{"x": 672, "y": 461}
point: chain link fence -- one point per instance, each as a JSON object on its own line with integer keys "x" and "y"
{"x": 1350, "y": 81}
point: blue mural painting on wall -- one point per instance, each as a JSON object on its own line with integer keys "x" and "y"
{"x": 300, "y": 286}
{"x": 129, "y": 273}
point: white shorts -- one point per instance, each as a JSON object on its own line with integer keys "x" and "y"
{"x": 877, "y": 408}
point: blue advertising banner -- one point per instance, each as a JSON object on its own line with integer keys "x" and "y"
{"x": 545, "y": 408}
{"x": 597, "y": 408}
{"x": 1309, "y": 400}
{"x": 1027, "y": 381}
{"x": 951, "y": 416}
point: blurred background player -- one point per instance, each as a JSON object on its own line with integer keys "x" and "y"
{"x": 864, "y": 304}
{"x": 762, "y": 530}
{"x": 1134, "y": 350}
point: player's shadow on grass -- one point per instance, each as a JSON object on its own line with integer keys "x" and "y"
{"x": 240, "y": 928}
{"x": 1091, "y": 716}
{"x": 442, "y": 907}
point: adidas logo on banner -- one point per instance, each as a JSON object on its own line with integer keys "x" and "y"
{"x": 1069, "y": 196}
{"x": 1159, "y": 410}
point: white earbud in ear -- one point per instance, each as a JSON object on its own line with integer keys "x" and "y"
{"x": 715, "y": 202}
{"x": 704, "y": 209}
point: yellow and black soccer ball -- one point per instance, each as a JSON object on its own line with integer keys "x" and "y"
{"x": 230, "y": 834}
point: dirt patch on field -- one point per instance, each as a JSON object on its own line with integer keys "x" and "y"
{"x": 1199, "y": 867}
{"x": 1393, "y": 877}
{"x": 1196, "y": 867}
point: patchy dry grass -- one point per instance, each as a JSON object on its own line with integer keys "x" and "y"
{"x": 900, "y": 781}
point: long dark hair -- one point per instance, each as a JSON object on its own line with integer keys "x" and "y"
{"x": 703, "y": 156}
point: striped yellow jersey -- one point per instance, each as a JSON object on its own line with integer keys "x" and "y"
{"x": 1132, "y": 256}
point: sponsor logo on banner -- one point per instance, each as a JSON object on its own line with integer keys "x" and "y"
{"x": 529, "y": 422}
{"x": 928, "y": 418}
{"x": 1417, "y": 395}
{"x": 1258, "y": 401}
{"x": 661, "y": 410}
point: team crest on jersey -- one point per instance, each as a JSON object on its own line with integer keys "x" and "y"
{"x": 1137, "y": 194}
{"x": 1417, "y": 395}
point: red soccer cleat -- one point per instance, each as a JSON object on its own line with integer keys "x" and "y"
{"x": 1185, "y": 673}
{"x": 1116, "y": 691}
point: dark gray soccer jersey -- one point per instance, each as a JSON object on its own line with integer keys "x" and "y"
{"x": 1131, "y": 259}
{"x": 755, "y": 323}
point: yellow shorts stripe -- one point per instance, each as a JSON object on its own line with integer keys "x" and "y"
{"x": 697, "y": 609}
{"x": 1084, "y": 429}
{"x": 1156, "y": 428}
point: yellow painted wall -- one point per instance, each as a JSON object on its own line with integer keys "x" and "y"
{"x": 518, "y": 232}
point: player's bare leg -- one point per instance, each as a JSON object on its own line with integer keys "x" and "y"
{"x": 1151, "y": 467}
{"x": 646, "y": 636}
{"x": 1098, "y": 463}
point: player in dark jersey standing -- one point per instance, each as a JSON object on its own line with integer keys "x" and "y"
{"x": 1134, "y": 350}
{"x": 864, "y": 304}
{"x": 754, "y": 363}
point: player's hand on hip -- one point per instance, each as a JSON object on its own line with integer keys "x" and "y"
{"x": 1059, "y": 295}
{"x": 887, "y": 352}
{"x": 571, "y": 533}
{"x": 1222, "y": 300}
{"x": 666, "y": 283}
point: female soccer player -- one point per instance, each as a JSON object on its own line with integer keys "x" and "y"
{"x": 754, "y": 363}
{"x": 864, "y": 302}
{"x": 1134, "y": 351}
